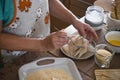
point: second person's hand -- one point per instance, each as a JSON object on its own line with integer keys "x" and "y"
{"x": 85, "y": 30}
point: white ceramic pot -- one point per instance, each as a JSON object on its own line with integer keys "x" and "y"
{"x": 113, "y": 36}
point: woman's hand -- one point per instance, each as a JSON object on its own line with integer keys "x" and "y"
{"x": 55, "y": 40}
{"x": 85, "y": 30}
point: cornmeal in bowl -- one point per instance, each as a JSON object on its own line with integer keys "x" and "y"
{"x": 102, "y": 55}
{"x": 49, "y": 74}
{"x": 116, "y": 10}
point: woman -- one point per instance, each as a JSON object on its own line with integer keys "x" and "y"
{"x": 25, "y": 26}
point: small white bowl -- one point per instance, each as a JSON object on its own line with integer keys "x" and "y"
{"x": 112, "y": 23}
{"x": 113, "y": 35}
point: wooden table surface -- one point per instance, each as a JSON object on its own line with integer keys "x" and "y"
{"x": 86, "y": 67}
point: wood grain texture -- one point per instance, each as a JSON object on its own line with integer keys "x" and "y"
{"x": 107, "y": 74}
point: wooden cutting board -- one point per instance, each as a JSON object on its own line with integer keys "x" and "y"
{"x": 107, "y": 74}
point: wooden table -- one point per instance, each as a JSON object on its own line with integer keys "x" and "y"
{"x": 85, "y": 67}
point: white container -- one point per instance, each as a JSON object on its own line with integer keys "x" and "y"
{"x": 113, "y": 35}
{"x": 113, "y": 24}
{"x": 62, "y": 63}
{"x": 95, "y": 16}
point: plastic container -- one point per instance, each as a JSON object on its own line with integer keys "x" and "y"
{"x": 95, "y": 16}
{"x": 62, "y": 63}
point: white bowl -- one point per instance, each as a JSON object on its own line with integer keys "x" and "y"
{"x": 112, "y": 23}
{"x": 113, "y": 35}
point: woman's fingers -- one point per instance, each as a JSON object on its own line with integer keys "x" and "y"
{"x": 59, "y": 39}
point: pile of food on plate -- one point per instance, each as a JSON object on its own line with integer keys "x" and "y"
{"x": 78, "y": 46}
{"x": 49, "y": 74}
{"x": 116, "y": 10}
{"x": 103, "y": 56}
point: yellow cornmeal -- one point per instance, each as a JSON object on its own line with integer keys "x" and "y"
{"x": 49, "y": 74}
{"x": 114, "y": 42}
{"x": 102, "y": 55}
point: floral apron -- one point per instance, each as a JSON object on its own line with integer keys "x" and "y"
{"x": 32, "y": 19}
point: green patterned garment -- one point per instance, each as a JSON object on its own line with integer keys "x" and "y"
{"x": 6, "y": 11}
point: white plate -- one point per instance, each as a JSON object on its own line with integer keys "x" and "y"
{"x": 65, "y": 64}
{"x": 71, "y": 31}
{"x": 84, "y": 56}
